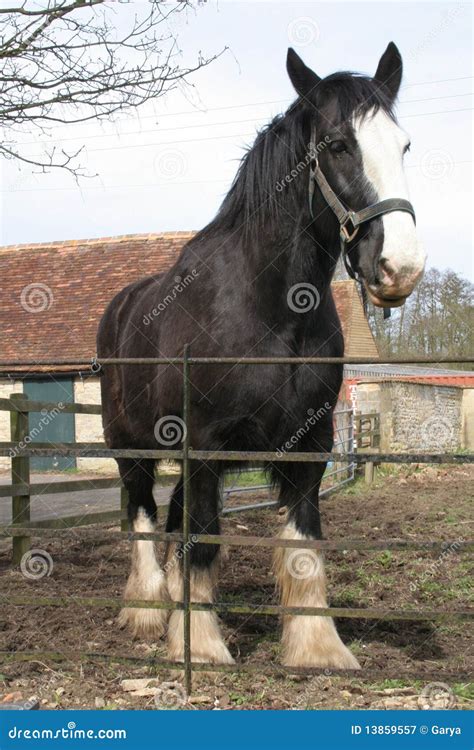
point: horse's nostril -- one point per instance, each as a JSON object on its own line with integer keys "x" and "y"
{"x": 386, "y": 268}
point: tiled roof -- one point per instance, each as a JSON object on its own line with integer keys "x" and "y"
{"x": 53, "y": 294}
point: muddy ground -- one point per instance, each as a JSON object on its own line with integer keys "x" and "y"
{"x": 415, "y": 503}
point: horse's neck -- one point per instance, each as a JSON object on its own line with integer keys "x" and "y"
{"x": 294, "y": 254}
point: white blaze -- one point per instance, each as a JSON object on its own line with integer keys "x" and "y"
{"x": 382, "y": 144}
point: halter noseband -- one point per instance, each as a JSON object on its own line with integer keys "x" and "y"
{"x": 349, "y": 221}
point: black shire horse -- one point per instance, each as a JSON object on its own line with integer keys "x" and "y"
{"x": 256, "y": 282}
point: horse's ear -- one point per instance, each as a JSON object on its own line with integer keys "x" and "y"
{"x": 303, "y": 78}
{"x": 389, "y": 70}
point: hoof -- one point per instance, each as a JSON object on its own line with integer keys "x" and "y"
{"x": 207, "y": 645}
{"x": 144, "y": 623}
{"x": 342, "y": 659}
{"x": 314, "y": 642}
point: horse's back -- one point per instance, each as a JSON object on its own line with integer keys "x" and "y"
{"x": 112, "y": 340}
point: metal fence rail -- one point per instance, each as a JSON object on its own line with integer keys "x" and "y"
{"x": 23, "y": 528}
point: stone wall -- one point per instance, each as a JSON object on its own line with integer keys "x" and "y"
{"x": 420, "y": 417}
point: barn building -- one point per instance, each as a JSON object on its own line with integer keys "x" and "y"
{"x": 53, "y": 297}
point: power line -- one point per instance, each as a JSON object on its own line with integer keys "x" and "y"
{"x": 282, "y": 101}
{"x": 201, "y": 125}
{"x": 161, "y": 144}
{"x": 440, "y": 112}
{"x": 167, "y": 184}
{"x": 240, "y": 135}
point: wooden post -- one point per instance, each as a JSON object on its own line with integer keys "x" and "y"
{"x": 20, "y": 475}
{"x": 124, "y": 524}
{"x": 369, "y": 472}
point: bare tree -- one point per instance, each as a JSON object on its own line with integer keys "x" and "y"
{"x": 437, "y": 319}
{"x": 69, "y": 61}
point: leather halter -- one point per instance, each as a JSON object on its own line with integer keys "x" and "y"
{"x": 349, "y": 221}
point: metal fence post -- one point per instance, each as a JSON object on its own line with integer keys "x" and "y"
{"x": 20, "y": 472}
{"x": 124, "y": 524}
{"x": 186, "y": 524}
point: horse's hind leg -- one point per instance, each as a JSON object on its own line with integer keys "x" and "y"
{"x": 307, "y": 641}
{"x": 207, "y": 644}
{"x": 146, "y": 581}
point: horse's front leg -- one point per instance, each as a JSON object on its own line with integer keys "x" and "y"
{"x": 146, "y": 580}
{"x": 207, "y": 644}
{"x": 307, "y": 641}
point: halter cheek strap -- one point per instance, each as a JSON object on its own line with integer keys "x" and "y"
{"x": 349, "y": 221}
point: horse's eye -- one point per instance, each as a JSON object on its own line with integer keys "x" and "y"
{"x": 407, "y": 148}
{"x": 337, "y": 147}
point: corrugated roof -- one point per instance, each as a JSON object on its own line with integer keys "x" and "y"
{"x": 54, "y": 294}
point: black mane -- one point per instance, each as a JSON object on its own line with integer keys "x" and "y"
{"x": 252, "y": 202}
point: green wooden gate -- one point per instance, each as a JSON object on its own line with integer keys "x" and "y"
{"x": 54, "y": 428}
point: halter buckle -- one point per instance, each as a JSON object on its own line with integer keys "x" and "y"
{"x": 346, "y": 235}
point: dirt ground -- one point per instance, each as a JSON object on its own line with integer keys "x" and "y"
{"x": 414, "y": 503}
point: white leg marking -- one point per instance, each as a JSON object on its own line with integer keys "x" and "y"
{"x": 307, "y": 641}
{"x": 146, "y": 581}
{"x": 207, "y": 644}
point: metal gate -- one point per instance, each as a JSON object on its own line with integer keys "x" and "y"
{"x": 337, "y": 474}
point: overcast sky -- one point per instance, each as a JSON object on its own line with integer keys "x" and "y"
{"x": 169, "y": 167}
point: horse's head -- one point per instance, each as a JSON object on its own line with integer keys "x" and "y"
{"x": 360, "y": 149}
